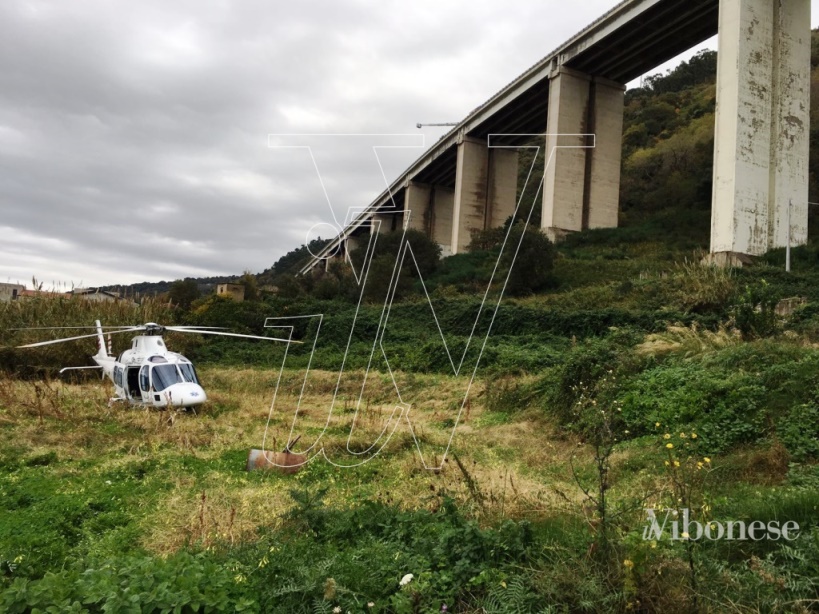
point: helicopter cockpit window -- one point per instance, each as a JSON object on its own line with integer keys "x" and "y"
{"x": 188, "y": 372}
{"x": 143, "y": 379}
{"x": 158, "y": 359}
{"x": 163, "y": 376}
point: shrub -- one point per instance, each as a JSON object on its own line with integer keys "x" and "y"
{"x": 755, "y": 311}
{"x": 583, "y": 368}
{"x": 724, "y": 408}
{"x": 799, "y": 431}
{"x": 183, "y": 582}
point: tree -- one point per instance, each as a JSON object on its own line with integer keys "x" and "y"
{"x": 292, "y": 261}
{"x": 425, "y": 252}
{"x": 289, "y": 286}
{"x": 248, "y": 280}
{"x": 531, "y": 263}
{"x": 183, "y": 292}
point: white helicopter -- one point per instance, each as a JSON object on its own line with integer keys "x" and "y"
{"x": 148, "y": 374}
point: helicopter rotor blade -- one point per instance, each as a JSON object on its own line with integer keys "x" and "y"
{"x": 52, "y": 342}
{"x": 179, "y": 329}
{"x": 72, "y": 327}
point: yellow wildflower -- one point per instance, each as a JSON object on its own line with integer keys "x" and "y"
{"x": 669, "y": 446}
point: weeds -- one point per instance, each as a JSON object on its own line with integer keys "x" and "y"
{"x": 121, "y": 488}
{"x": 687, "y": 341}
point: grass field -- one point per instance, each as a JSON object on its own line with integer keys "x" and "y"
{"x": 68, "y": 434}
{"x": 507, "y": 524}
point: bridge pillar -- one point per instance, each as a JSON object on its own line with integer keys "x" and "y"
{"x": 486, "y": 184}
{"x": 582, "y": 183}
{"x": 429, "y": 208}
{"x": 416, "y": 203}
{"x": 389, "y": 222}
{"x": 762, "y": 127}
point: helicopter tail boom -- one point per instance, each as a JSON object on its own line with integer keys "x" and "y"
{"x": 102, "y": 351}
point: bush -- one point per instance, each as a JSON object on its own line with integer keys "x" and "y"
{"x": 755, "y": 311}
{"x": 526, "y": 261}
{"x": 583, "y": 368}
{"x": 420, "y": 260}
{"x": 182, "y": 582}
{"x": 799, "y": 431}
{"x": 723, "y": 408}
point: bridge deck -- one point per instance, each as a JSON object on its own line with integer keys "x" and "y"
{"x": 628, "y": 41}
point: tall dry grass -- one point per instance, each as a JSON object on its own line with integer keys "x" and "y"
{"x": 63, "y": 311}
{"x": 511, "y": 470}
{"x": 689, "y": 341}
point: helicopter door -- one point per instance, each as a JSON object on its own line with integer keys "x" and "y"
{"x": 144, "y": 382}
{"x": 132, "y": 379}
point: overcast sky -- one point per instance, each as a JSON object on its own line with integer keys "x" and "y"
{"x": 134, "y": 135}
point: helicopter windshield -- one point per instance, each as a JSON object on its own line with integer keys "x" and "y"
{"x": 163, "y": 376}
{"x": 188, "y": 372}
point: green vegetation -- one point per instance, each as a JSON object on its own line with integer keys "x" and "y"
{"x": 184, "y": 292}
{"x": 620, "y": 374}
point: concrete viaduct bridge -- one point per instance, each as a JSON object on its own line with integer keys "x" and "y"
{"x": 761, "y": 135}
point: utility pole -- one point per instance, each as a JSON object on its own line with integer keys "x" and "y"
{"x": 788, "y": 248}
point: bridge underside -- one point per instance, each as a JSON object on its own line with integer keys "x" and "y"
{"x": 573, "y": 99}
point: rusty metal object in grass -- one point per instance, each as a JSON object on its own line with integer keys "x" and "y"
{"x": 283, "y": 462}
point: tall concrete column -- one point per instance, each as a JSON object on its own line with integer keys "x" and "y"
{"x": 429, "y": 208}
{"x": 416, "y": 202}
{"x": 503, "y": 186}
{"x": 442, "y": 218}
{"x": 485, "y": 195}
{"x": 762, "y": 127}
{"x": 582, "y": 183}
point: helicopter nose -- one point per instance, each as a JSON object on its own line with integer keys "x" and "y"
{"x": 183, "y": 395}
{"x": 193, "y": 394}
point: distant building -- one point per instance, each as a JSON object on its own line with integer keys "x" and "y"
{"x": 96, "y": 295}
{"x": 25, "y": 294}
{"x": 231, "y": 291}
{"x": 10, "y": 292}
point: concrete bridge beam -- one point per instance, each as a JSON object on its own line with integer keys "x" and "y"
{"x": 762, "y": 127}
{"x": 582, "y": 182}
{"x": 486, "y": 184}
